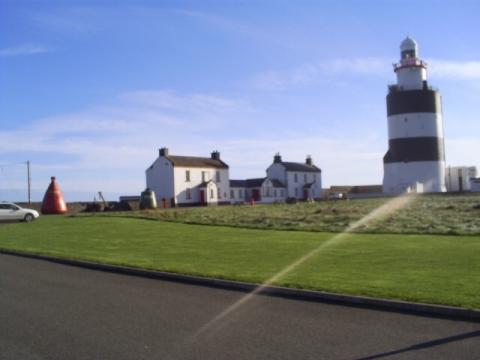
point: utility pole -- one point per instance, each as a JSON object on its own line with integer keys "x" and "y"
{"x": 28, "y": 181}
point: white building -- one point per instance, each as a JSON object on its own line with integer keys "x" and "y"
{"x": 461, "y": 178}
{"x": 415, "y": 160}
{"x": 285, "y": 180}
{"x": 188, "y": 180}
{"x": 475, "y": 185}
{"x": 263, "y": 190}
{"x": 302, "y": 181}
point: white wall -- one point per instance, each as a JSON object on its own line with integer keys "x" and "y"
{"x": 159, "y": 178}
{"x": 181, "y": 184}
{"x": 410, "y": 78}
{"x": 301, "y": 182}
{"x": 270, "y": 194}
{"x": 237, "y": 197}
{"x": 398, "y": 177}
{"x": 475, "y": 185}
{"x": 453, "y": 175}
{"x": 277, "y": 171}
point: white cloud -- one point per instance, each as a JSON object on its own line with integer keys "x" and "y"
{"x": 26, "y": 49}
{"x": 455, "y": 70}
{"x": 374, "y": 66}
{"x": 320, "y": 71}
{"x": 170, "y": 100}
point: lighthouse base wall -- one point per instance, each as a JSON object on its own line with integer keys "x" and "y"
{"x": 418, "y": 176}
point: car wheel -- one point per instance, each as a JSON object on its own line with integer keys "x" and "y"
{"x": 28, "y": 218}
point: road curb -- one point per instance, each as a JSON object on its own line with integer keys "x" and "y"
{"x": 308, "y": 295}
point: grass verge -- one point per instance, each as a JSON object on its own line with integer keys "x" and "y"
{"x": 422, "y": 268}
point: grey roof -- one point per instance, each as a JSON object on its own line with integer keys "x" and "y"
{"x": 257, "y": 182}
{"x": 238, "y": 183}
{"x": 194, "y": 161}
{"x": 301, "y": 167}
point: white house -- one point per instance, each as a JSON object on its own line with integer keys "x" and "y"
{"x": 188, "y": 180}
{"x": 302, "y": 181}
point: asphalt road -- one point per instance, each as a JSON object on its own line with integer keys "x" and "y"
{"x": 52, "y": 311}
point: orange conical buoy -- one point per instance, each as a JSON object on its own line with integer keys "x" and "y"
{"x": 53, "y": 202}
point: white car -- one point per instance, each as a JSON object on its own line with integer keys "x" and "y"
{"x": 11, "y": 211}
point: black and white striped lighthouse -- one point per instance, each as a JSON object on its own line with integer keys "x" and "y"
{"x": 415, "y": 160}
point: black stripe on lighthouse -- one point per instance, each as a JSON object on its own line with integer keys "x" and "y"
{"x": 415, "y": 149}
{"x": 413, "y": 101}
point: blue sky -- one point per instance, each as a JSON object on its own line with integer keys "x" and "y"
{"x": 90, "y": 90}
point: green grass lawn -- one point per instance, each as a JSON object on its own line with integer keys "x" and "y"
{"x": 423, "y": 268}
{"x": 427, "y": 214}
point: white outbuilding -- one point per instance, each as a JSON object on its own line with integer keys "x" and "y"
{"x": 262, "y": 190}
{"x": 461, "y": 178}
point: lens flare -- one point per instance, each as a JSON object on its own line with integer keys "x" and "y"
{"x": 389, "y": 208}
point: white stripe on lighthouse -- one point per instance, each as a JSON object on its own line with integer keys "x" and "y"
{"x": 415, "y": 125}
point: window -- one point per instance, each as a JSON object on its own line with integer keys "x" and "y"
{"x": 295, "y": 177}
{"x": 9, "y": 207}
{"x": 212, "y": 194}
{"x": 315, "y": 178}
{"x": 219, "y": 193}
{"x": 275, "y": 192}
{"x": 187, "y": 175}
{"x": 296, "y": 192}
{"x": 188, "y": 194}
{"x": 240, "y": 193}
{"x": 204, "y": 176}
{"x": 232, "y": 194}
{"x": 224, "y": 195}
{"x": 218, "y": 176}
{"x": 305, "y": 178}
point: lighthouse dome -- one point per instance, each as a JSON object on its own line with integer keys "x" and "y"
{"x": 408, "y": 44}
{"x": 408, "y": 48}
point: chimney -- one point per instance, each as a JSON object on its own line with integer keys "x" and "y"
{"x": 216, "y": 155}
{"x": 309, "y": 161}
{"x": 163, "y": 151}
{"x": 277, "y": 158}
